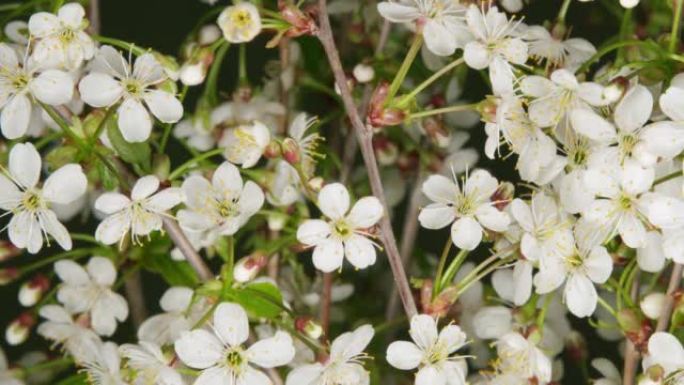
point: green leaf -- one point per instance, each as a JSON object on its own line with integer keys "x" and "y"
{"x": 60, "y": 156}
{"x": 154, "y": 257}
{"x": 260, "y": 299}
{"x": 78, "y": 379}
{"x": 134, "y": 153}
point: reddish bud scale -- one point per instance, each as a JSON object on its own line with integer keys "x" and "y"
{"x": 8, "y": 275}
{"x": 291, "y": 152}
{"x": 378, "y": 114}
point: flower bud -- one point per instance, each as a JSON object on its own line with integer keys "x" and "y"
{"x": 316, "y": 183}
{"x": 488, "y": 108}
{"x": 7, "y": 251}
{"x": 378, "y": 114}
{"x": 652, "y": 305}
{"x": 614, "y": 91}
{"x": 32, "y": 291}
{"x": 387, "y": 152}
{"x": 307, "y": 326}
{"x": 363, "y": 73}
{"x": 291, "y": 152}
{"x": 503, "y": 195}
{"x": 276, "y": 221}
{"x": 247, "y": 268}
{"x": 301, "y": 22}
{"x": 192, "y": 74}
{"x": 18, "y": 331}
{"x": 576, "y": 347}
{"x": 628, "y": 321}
{"x": 208, "y": 34}
{"x": 272, "y": 150}
{"x": 8, "y": 275}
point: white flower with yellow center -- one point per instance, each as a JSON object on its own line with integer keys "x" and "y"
{"x": 245, "y": 143}
{"x": 344, "y": 234}
{"x": 467, "y": 211}
{"x": 224, "y": 205}
{"x": 59, "y": 326}
{"x": 62, "y": 40}
{"x": 23, "y": 86}
{"x": 140, "y": 215}
{"x": 519, "y": 356}
{"x": 431, "y": 352}
{"x": 112, "y": 79}
{"x": 240, "y": 23}
{"x": 33, "y": 218}
{"x": 222, "y": 359}
{"x": 344, "y": 366}
{"x": 151, "y": 364}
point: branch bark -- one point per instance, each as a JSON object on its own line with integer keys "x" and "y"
{"x": 185, "y": 247}
{"x": 631, "y": 353}
{"x": 673, "y": 285}
{"x": 364, "y": 136}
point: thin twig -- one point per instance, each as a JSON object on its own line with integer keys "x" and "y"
{"x": 94, "y": 17}
{"x": 326, "y": 301}
{"x": 631, "y": 353}
{"x": 672, "y": 287}
{"x": 408, "y": 240}
{"x": 185, "y": 247}
{"x": 134, "y": 292}
{"x": 365, "y": 137}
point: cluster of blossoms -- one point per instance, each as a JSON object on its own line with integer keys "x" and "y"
{"x": 257, "y": 219}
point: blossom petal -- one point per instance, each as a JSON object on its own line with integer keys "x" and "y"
{"x": 100, "y": 90}
{"x": 594, "y": 127}
{"x": 466, "y": 233}
{"x": 113, "y": 228}
{"x": 110, "y": 203}
{"x": 359, "y": 251}
{"x": 634, "y": 109}
{"x": 365, "y": 213}
{"x": 145, "y": 187}
{"x": 313, "y": 231}
{"x": 199, "y": 349}
{"x": 231, "y": 323}
{"x": 15, "y": 117}
{"x": 333, "y": 200}
{"x": 101, "y": 270}
{"x": 440, "y": 189}
{"x": 423, "y": 331}
{"x": 430, "y": 375}
{"x": 48, "y": 220}
{"x": 43, "y": 24}
{"x": 65, "y": 185}
{"x": 436, "y": 216}
{"x": 398, "y": 13}
{"x": 53, "y": 87}
{"x": 328, "y": 255}
{"x": 164, "y": 106}
{"x": 491, "y": 218}
{"x": 271, "y": 352}
{"x": 134, "y": 121}
{"x": 438, "y": 38}
{"x": 580, "y": 295}
{"x": 25, "y": 164}
{"x": 404, "y": 355}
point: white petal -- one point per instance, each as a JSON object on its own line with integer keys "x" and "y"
{"x": 65, "y": 185}
{"x": 134, "y": 121}
{"x": 25, "y": 164}
{"x": 476, "y": 55}
{"x": 71, "y": 273}
{"x": 53, "y": 87}
{"x": 176, "y": 298}
{"x": 164, "y": 106}
{"x": 594, "y": 127}
{"x": 328, "y": 255}
{"x": 147, "y": 69}
{"x": 164, "y": 200}
{"x": 71, "y": 14}
{"x": 110, "y": 203}
{"x": 351, "y": 344}
{"x": 333, "y": 200}
{"x": 100, "y": 90}
{"x": 430, "y": 375}
{"x": 113, "y": 228}
{"x": 43, "y": 24}
{"x": 664, "y": 139}
{"x": 217, "y": 375}
{"x": 480, "y": 184}
{"x": 580, "y": 295}
{"x": 145, "y": 187}
{"x": 424, "y": 331}
{"x": 436, "y": 216}
{"x": 672, "y": 103}
{"x": 451, "y": 338}
{"x": 253, "y": 377}
{"x": 651, "y": 257}
{"x": 199, "y": 349}
{"x": 359, "y": 251}
{"x": 404, "y": 355}
{"x": 365, "y": 213}
{"x": 271, "y": 352}
{"x": 599, "y": 265}
{"x": 466, "y": 233}
{"x": 231, "y": 323}
{"x": 438, "y": 38}
{"x": 491, "y": 218}
{"x": 398, "y": 13}
{"x": 227, "y": 179}
{"x": 440, "y": 189}
{"x": 15, "y": 117}
{"x": 631, "y": 230}
{"x": 51, "y": 225}
{"x": 522, "y": 214}
{"x": 666, "y": 350}
{"x": 536, "y": 86}
{"x": 313, "y": 232}
{"x": 305, "y": 374}
{"x": 634, "y": 109}
{"x": 102, "y": 270}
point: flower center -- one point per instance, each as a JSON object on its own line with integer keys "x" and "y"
{"x": 133, "y": 87}
{"x": 31, "y": 201}
{"x": 342, "y": 229}
{"x": 574, "y": 261}
{"x": 625, "y": 202}
{"x": 67, "y": 35}
{"x": 437, "y": 353}
{"x": 227, "y": 208}
{"x": 235, "y": 361}
{"x": 627, "y": 144}
{"x": 241, "y": 19}
{"x": 20, "y": 81}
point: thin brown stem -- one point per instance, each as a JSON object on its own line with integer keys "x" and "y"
{"x": 672, "y": 287}
{"x": 134, "y": 292}
{"x": 365, "y": 137}
{"x": 326, "y": 302}
{"x": 94, "y": 17}
{"x": 185, "y": 247}
{"x": 631, "y": 353}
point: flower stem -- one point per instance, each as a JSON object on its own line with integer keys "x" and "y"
{"x": 210, "y": 89}
{"x": 406, "y": 99}
{"x": 242, "y": 70}
{"x": 445, "y": 110}
{"x": 178, "y": 172}
{"x": 564, "y": 11}
{"x": 673, "y": 285}
{"x": 137, "y": 51}
{"x": 405, "y": 66}
{"x": 674, "y": 34}
{"x": 440, "y": 267}
{"x": 453, "y": 268}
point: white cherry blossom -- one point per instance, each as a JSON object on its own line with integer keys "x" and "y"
{"x": 442, "y": 22}
{"x": 113, "y": 79}
{"x": 432, "y": 353}
{"x": 140, "y": 215}
{"x": 151, "y": 364}
{"x": 469, "y": 209}
{"x": 245, "y": 144}
{"x": 343, "y": 235}
{"x": 179, "y": 315}
{"x": 62, "y": 40}
{"x": 104, "y": 366}
{"x": 557, "y": 52}
{"x": 59, "y": 326}
{"x": 22, "y": 87}
{"x": 220, "y": 356}
{"x": 225, "y": 204}
{"x": 665, "y": 352}
{"x": 520, "y": 356}
{"x": 33, "y": 217}
{"x": 240, "y": 23}
{"x": 343, "y": 366}
{"x": 89, "y": 291}
{"x": 496, "y": 46}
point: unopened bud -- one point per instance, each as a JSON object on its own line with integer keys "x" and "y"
{"x": 8, "y": 275}
{"x": 301, "y": 22}
{"x": 436, "y": 132}
{"x": 387, "y": 152}
{"x": 247, "y": 268}
{"x": 32, "y": 291}
{"x": 192, "y": 73}
{"x": 378, "y": 114}
{"x": 363, "y": 73}
{"x": 503, "y": 195}
{"x": 18, "y": 331}
{"x": 291, "y": 152}
{"x": 316, "y": 183}
{"x": 307, "y": 326}
{"x": 276, "y": 221}
{"x": 8, "y": 250}
{"x": 576, "y": 347}
{"x": 208, "y": 34}
{"x": 652, "y": 305}
{"x": 488, "y": 109}
{"x": 628, "y": 321}
{"x": 272, "y": 150}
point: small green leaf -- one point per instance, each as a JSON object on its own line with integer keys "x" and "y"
{"x": 260, "y": 299}
{"x": 77, "y": 379}
{"x": 134, "y": 153}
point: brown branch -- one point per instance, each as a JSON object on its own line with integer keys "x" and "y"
{"x": 134, "y": 292}
{"x": 365, "y": 138}
{"x": 673, "y": 285}
{"x": 631, "y": 353}
{"x": 94, "y": 17}
{"x": 326, "y": 301}
{"x": 185, "y": 247}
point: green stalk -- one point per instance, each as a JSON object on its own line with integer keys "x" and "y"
{"x": 405, "y": 66}
{"x": 453, "y": 267}
{"x": 190, "y": 163}
{"x": 243, "y": 80}
{"x": 563, "y": 11}
{"x": 436, "y": 286}
{"x": 445, "y": 110}
{"x": 406, "y": 99}
{"x": 210, "y": 89}
{"x": 674, "y": 34}
{"x": 137, "y": 51}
